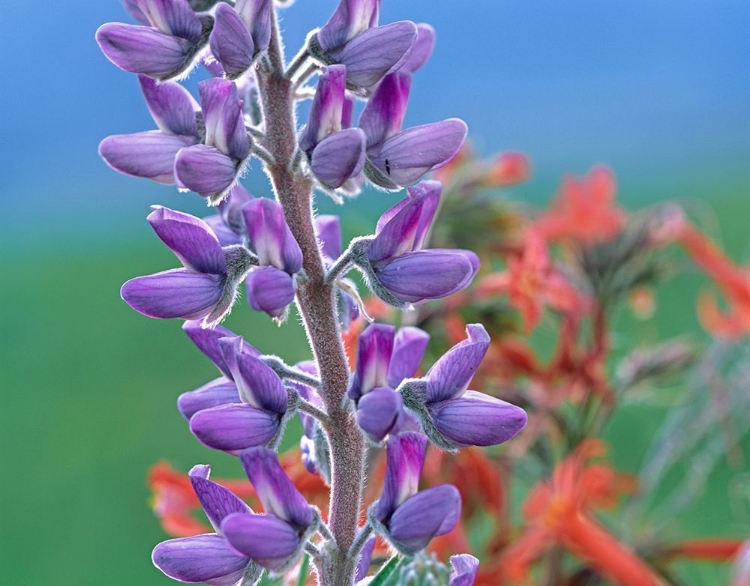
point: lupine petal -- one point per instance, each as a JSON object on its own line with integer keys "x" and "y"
{"x": 377, "y": 51}
{"x": 422, "y": 48}
{"x": 231, "y": 208}
{"x": 207, "y": 341}
{"x": 427, "y": 514}
{"x": 205, "y": 170}
{"x": 222, "y": 114}
{"x": 142, "y": 49}
{"x": 257, "y": 383}
{"x": 234, "y": 427}
{"x": 365, "y": 559}
{"x": 350, "y": 19}
{"x": 453, "y": 371}
{"x": 426, "y": 274}
{"x": 271, "y": 237}
{"x": 405, "y": 454}
{"x": 384, "y": 112}
{"x": 339, "y": 157}
{"x": 190, "y": 239}
{"x": 407, "y": 156}
{"x": 326, "y": 111}
{"x": 175, "y": 293}
{"x": 328, "y": 229}
{"x": 257, "y": 16}
{"x": 277, "y": 493}
{"x": 464, "y": 570}
{"x": 374, "y": 351}
{"x": 226, "y": 236}
{"x": 231, "y": 42}
{"x": 171, "y": 106}
{"x": 476, "y": 419}
{"x": 269, "y": 290}
{"x": 265, "y": 539}
{"x": 378, "y": 411}
{"x": 173, "y": 17}
{"x": 408, "y": 351}
{"x": 144, "y": 154}
{"x": 132, "y": 7}
{"x": 199, "y": 559}
{"x": 218, "y": 392}
{"x": 217, "y": 501}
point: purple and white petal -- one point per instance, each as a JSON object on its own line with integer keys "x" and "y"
{"x": 257, "y": 383}
{"x": 132, "y": 7}
{"x": 190, "y": 238}
{"x": 207, "y": 341}
{"x": 374, "y": 350}
{"x": 173, "y": 17}
{"x": 339, "y": 157}
{"x": 429, "y": 513}
{"x": 171, "y": 106}
{"x": 426, "y": 274}
{"x": 408, "y": 351}
{"x": 464, "y": 570}
{"x": 270, "y": 235}
{"x": 231, "y": 208}
{"x": 269, "y": 290}
{"x": 396, "y": 237}
{"x": 142, "y": 49}
{"x": 384, "y": 112}
{"x": 223, "y": 117}
{"x": 378, "y": 411}
{"x": 257, "y": 16}
{"x": 226, "y": 236}
{"x": 407, "y": 156}
{"x": 234, "y": 427}
{"x": 220, "y": 391}
{"x": 217, "y": 501}
{"x": 230, "y": 41}
{"x": 205, "y": 170}
{"x": 265, "y": 539}
{"x": 277, "y": 493}
{"x": 328, "y": 229}
{"x": 451, "y": 374}
{"x": 422, "y": 48}
{"x": 202, "y": 558}
{"x": 350, "y": 19}
{"x": 376, "y": 52}
{"x": 405, "y": 454}
{"x": 144, "y": 154}
{"x": 326, "y": 111}
{"x": 178, "y": 293}
{"x": 476, "y": 419}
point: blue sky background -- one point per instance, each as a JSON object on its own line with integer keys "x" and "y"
{"x": 660, "y": 91}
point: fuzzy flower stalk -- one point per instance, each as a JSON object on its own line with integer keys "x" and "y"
{"x": 280, "y": 255}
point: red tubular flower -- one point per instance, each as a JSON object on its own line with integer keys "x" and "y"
{"x": 710, "y": 550}
{"x": 506, "y": 170}
{"x": 584, "y": 210}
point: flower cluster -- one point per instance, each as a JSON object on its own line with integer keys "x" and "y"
{"x": 284, "y": 255}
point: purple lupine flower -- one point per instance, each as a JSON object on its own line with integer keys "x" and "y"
{"x": 328, "y": 229}
{"x": 398, "y": 157}
{"x": 256, "y": 14}
{"x": 211, "y": 169}
{"x": 464, "y": 570}
{"x": 205, "y": 558}
{"x": 253, "y": 420}
{"x": 310, "y": 426}
{"x": 422, "y": 50}
{"x": 384, "y": 359}
{"x": 231, "y": 43}
{"x": 151, "y": 154}
{"x": 270, "y": 287}
{"x": 229, "y": 224}
{"x": 275, "y": 538}
{"x": 168, "y": 48}
{"x": 410, "y": 518}
{"x": 468, "y": 418}
{"x": 207, "y": 285}
{"x": 352, "y": 38}
{"x": 401, "y": 273}
{"x": 335, "y": 153}
{"x": 365, "y": 559}
{"x": 207, "y": 340}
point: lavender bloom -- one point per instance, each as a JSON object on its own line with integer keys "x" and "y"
{"x": 398, "y": 157}
{"x": 328, "y": 229}
{"x": 352, "y": 38}
{"x": 205, "y": 288}
{"x": 231, "y": 42}
{"x": 410, "y": 518}
{"x": 151, "y": 154}
{"x": 422, "y": 50}
{"x": 398, "y": 271}
{"x": 464, "y": 570}
{"x": 384, "y": 359}
{"x": 365, "y": 559}
{"x": 270, "y": 288}
{"x": 208, "y": 341}
{"x": 256, "y": 14}
{"x": 169, "y": 47}
{"x": 310, "y": 427}
{"x": 273, "y": 539}
{"x": 229, "y": 223}
{"x": 205, "y": 558}
{"x": 468, "y": 418}
{"x": 211, "y": 169}
{"x": 335, "y": 154}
